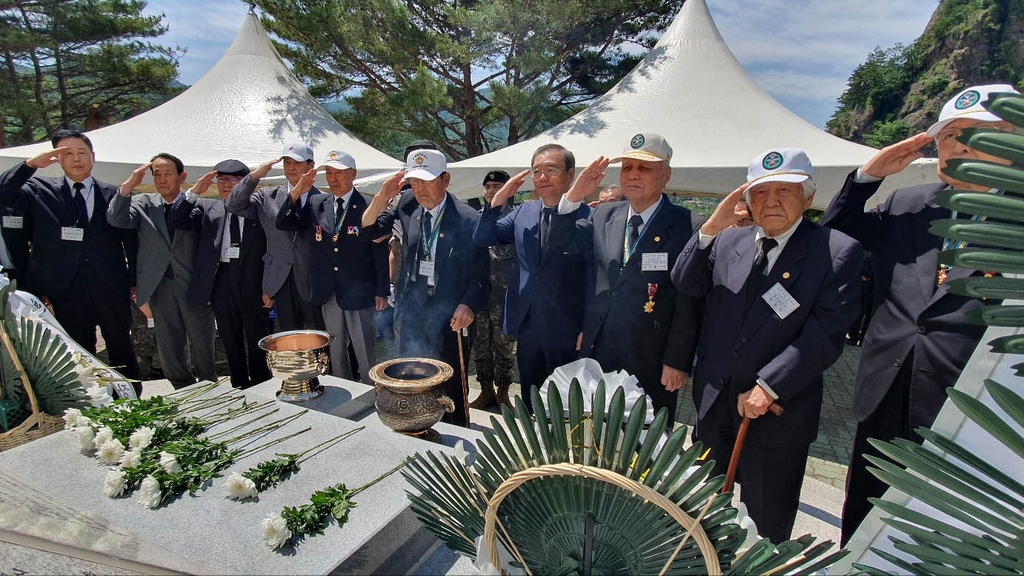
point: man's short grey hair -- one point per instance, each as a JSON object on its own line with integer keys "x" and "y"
{"x": 570, "y": 159}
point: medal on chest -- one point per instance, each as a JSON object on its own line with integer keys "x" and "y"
{"x": 652, "y": 290}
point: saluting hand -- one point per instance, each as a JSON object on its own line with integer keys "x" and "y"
{"x": 391, "y": 188}
{"x": 138, "y": 175}
{"x": 896, "y": 157}
{"x": 203, "y": 184}
{"x": 726, "y": 214}
{"x": 509, "y": 189}
{"x": 588, "y": 180}
{"x": 47, "y": 158}
{"x": 304, "y": 184}
{"x": 262, "y": 170}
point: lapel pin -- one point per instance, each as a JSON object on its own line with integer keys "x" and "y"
{"x": 785, "y": 275}
{"x": 657, "y": 238}
{"x": 441, "y": 235}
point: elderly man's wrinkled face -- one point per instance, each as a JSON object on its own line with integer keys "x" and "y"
{"x": 225, "y": 183}
{"x": 643, "y": 181}
{"x": 340, "y": 181}
{"x": 550, "y": 178}
{"x": 776, "y": 206}
{"x": 949, "y": 148}
{"x": 293, "y": 169}
{"x": 430, "y": 193}
{"x": 166, "y": 178}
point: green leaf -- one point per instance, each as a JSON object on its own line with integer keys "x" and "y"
{"x": 988, "y": 420}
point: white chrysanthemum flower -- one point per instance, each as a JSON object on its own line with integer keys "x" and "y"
{"x": 103, "y": 435}
{"x": 114, "y": 485}
{"x": 275, "y": 531}
{"x": 132, "y": 458}
{"x": 99, "y": 395}
{"x": 86, "y": 438}
{"x": 141, "y": 438}
{"x": 72, "y": 418}
{"x": 110, "y": 452}
{"x": 169, "y": 462}
{"x": 149, "y": 492}
{"x": 239, "y": 487}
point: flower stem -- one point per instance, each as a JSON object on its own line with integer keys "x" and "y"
{"x": 233, "y": 413}
{"x": 271, "y": 443}
{"x": 189, "y": 394}
{"x": 242, "y": 425}
{"x": 379, "y": 478}
{"x": 337, "y": 438}
{"x": 265, "y": 428}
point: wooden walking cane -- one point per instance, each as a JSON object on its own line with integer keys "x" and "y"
{"x": 465, "y": 379}
{"x": 737, "y": 448}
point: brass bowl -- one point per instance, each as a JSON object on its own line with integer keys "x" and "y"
{"x": 409, "y": 395}
{"x": 298, "y": 358}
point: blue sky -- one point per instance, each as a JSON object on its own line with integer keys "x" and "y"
{"x": 800, "y": 51}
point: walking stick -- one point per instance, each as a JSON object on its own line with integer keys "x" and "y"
{"x": 737, "y": 448}
{"x": 465, "y": 379}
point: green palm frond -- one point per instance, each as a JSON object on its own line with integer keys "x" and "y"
{"x": 576, "y": 524}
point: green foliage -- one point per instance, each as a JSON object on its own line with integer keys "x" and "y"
{"x": 886, "y": 133}
{"x": 472, "y": 77}
{"x": 79, "y": 63}
{"x": 546, "y": 518}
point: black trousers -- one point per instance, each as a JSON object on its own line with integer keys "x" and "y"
{"x": 892, "y": 419}
{"x": 293, "y": 311}
{"x": 536, "y": 360}
{"x": 240, "y": 325}
{"x": 93, "y": 299}
{"x": 770, "y": 477}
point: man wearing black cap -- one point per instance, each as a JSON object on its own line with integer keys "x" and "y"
{"x": 229, "y": 269}
{"x": 493, "y": 349}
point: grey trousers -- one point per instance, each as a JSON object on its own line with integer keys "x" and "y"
{"x": 183, "y": 332}
{"x": 358, "y": 327}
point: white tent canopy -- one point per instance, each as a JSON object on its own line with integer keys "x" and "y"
{"x": 693, "y": 91}
{"x": 248, "y": 107}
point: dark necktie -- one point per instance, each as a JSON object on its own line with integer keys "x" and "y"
{"x": 757, "y": 270}
{"x": 167, "y": 221}
{"x": 235, "y": 231}
{"x": 545, "y": 227}
{"x": 425, "y": 234}
{"x": 635, "y": 222}
{"x": 83, "y": 209}
{"x": 339, "y": 212}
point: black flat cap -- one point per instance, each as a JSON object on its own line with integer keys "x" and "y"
{"x": 231, "y": 168}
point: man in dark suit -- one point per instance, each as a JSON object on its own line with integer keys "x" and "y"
{"x": 919, "y": 339}
{"x": 286, "y": 269}
{"x": 444, "y": 278}
{"x": 779, "y": 298}
{"x": 349, "y": 277}
{"x": 15, "y": 230}
{"x": 634, "y": 315}
{"x": 543, "y": 308}
{"x": 183, "y": 331}
{"x": 228, "y": 271}
{"x": 79, "y": 264}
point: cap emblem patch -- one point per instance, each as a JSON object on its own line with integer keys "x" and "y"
{"x": 967, "y": 99}
{"x": 772, "y": 161}
{"x": 637, "y": 141}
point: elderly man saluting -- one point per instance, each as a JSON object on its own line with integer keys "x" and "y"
{"x": 779, "y": 298}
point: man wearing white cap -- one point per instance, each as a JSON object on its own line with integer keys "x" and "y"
{"x": 779, "y": 296}
{"x": 919, "y": 339}
{"x": 633, "y": 311}
{"x": 444, "y": 279}
{"x": 349, "y": 277}
{"x": 286, "y": 273}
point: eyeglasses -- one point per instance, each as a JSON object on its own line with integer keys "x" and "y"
{"x": 228, "y": 178}
{"x": 549, "y": 172}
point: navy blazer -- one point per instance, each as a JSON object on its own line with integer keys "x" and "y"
{"x": 209, "y": 216}
{"x": 911, "y": 311}
{"x": 461, "y": 268}
{"x": 549, "y": 284}
{"x": 820, "y": 269}
{"x": 16, "y": 240}
{"x": 350, "y": 269}
{"x": 53, "y": 262}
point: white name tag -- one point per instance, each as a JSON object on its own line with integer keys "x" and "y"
{"x": 427, "y": 268}
{"x": 780, "y": 300}
{"x": 234, "y": 252}
{"x": 14, "y": 222}
{"x": 654, "y": 262}
{"x": 72, "y": 233}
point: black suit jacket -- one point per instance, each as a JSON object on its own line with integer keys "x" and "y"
{"x": 615, "y": 323}
{"x": 549, "y": 283}
{"x": 210, "y": 216}
{"x": 351, "y": 270}
{"x": 461, "y": 267}
{"x": 16, "y": 240}
{"x": 912, "y": 313}
{"x": 54, "y": 262}
{"x": 820, "y": 269}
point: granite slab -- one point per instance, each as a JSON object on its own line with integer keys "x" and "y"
{"x": 223, "y": 536}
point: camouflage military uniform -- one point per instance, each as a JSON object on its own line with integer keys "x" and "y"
{"x": 493, "y": 350}
{"x": 144, "y": 342}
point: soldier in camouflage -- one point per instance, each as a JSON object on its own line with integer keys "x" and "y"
{"x": 493, "y": 350}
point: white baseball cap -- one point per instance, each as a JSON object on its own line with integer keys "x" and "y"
{"x": 425, "y": 164}
{"x": 966, "y": 105}
{"x": 780, "y": 165}
{"x": 340, "y": 160}
{"x": 646, "y": 146}
{"x": 298, "y": 151}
